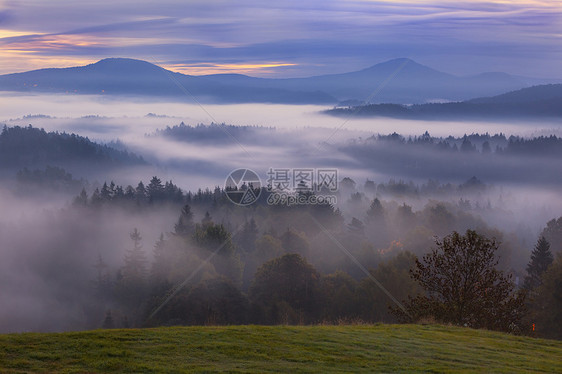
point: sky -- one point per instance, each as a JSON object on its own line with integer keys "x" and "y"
{"x": 285, "y": 38}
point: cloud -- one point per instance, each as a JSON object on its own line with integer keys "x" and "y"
{"x": 319, "y": 36}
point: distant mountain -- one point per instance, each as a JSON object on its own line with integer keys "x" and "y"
{"x": 405, "y": 81}
{"x": 543, "y": 101}
{"x": 119, "y": 76}
{"x": 400, "y": 81}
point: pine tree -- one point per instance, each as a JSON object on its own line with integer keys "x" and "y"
{"x": 376, "y": 211}
{"x": 132, "y": 278}
{"x": 553, "y": 233}
{"x": 135, "y": 260}
{"x": 541, "y": 258}
{"x": 546, "y": 308}
{"x": 184, "y": 227}
{"x": 82, "y": 199}
{"x": 105, "y": 192}
{"x": 140, "y": 194}
{"x": 160, "y": 265}
{"x": 155, "y": 190}
{"x": 96, "y": 199}
{"x": 207, "y": 220}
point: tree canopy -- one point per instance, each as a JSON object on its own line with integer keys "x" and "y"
{"x": 463, "y": 287}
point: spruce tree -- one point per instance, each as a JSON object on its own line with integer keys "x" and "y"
{"x": 132, "y": 285}
{"x": 184, "y": 227}
{"x": 376, "y": 211}
{"x": 541, "y": 258}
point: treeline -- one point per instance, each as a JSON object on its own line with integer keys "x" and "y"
{"x": 32, "y": 147}
{"x": 377, "y": 222}
{"x": 214, "y": 132}
{"x": 543, "y": 101}
{"x": 157, "y": 191}
{"x": 483, "y": 143}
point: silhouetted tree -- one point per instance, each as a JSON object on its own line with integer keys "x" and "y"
{"x": 184, "y": 227}
{"x": 155, "y": 190}
{"x": 546, "y": 306}
{"x": 541, "y": 258}
{"x": 464, "y": 287}
{"x": 553, "y": 233}
{"x": 96, "y": 199}
{"x": 82, "y": 199}
{"x": 375, "y": 212}
{"x": 160, "y": 265}
{"x": 213, "y": 238}
{"x": 140, "y": 194}
{"x": 132, "y": 278}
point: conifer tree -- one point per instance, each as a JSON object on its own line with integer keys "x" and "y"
{"x": 541, "y": 258}
{"x": 184, "y": 227}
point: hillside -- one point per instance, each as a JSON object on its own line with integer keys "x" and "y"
{"x": 543, "y": 101}
{"x": 30, "y": 147}
{"x": 399, "y": 81}
{"x": 357, "y": 348}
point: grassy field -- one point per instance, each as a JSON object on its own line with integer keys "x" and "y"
{"x": 368, "y": 348}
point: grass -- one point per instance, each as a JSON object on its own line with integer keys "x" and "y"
{"x": 307, "y": 349}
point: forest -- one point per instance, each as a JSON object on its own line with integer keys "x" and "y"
{"x": 103, "y": 254}
{"x": 224, "y": 264}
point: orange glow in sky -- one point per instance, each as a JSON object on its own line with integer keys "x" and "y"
{"x": 262, "y": 68}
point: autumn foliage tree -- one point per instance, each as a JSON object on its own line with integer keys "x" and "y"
{"x": 463, "y": 287}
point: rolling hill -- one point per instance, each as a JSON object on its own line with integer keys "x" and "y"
{"x": 538, "y": 102}
{"x": 260, "y": 349}
{"x": 30, "y": 147}
{"x": 398, "y": 81}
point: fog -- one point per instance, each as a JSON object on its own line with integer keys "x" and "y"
{"x": 49, "y": 246}
{"x": 126, "y": 117}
